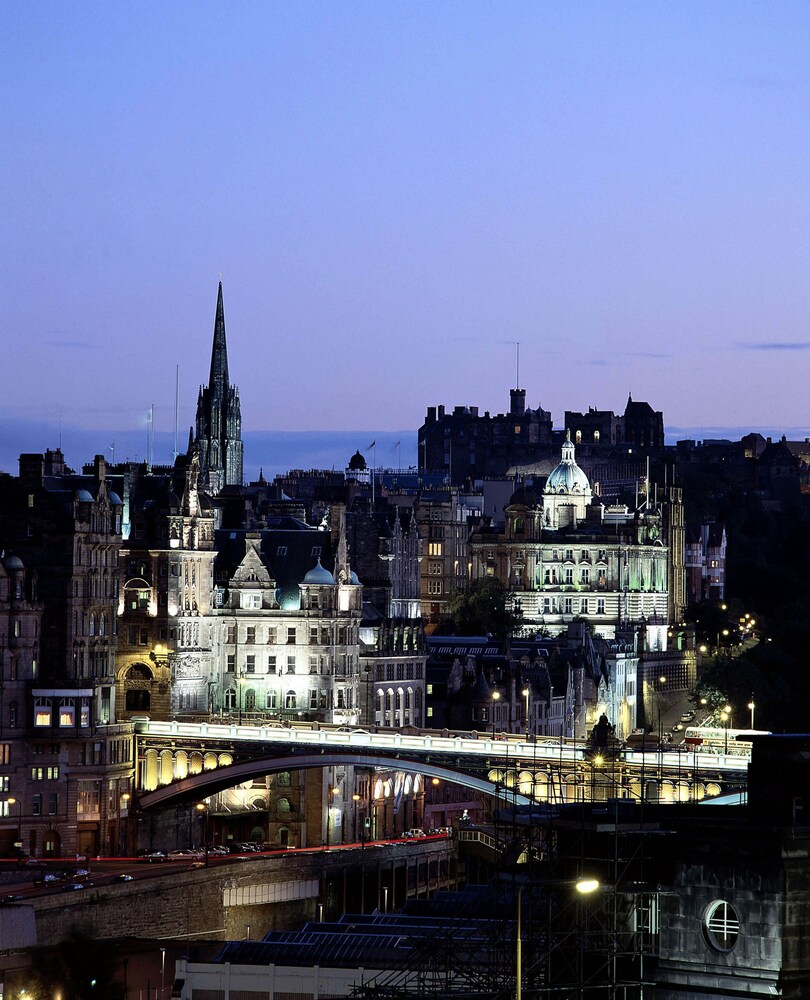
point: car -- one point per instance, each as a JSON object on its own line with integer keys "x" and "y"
{"x": 80, "y": 873}
{"x": 73, "y": 886}
{"x": 151, "y": 856}
{"x": 416, "y": 833}
{"x": 188, "y": 854}
{"x": 123, "y": 877}
{"x": 11, "y": 897}
{"x": 47, "y": 879}
{"x": 218, "y": 850}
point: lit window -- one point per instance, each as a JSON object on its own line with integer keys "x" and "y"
{"x": 67, "y": 716}
{"x": 42, "y": 715}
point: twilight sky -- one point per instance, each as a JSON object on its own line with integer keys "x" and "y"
{"x": 395, "y": 193}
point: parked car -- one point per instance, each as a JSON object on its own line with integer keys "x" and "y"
{"x": 187, "y": 854}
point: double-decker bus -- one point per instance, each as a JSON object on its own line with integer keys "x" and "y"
{"x": 718, "y": 739}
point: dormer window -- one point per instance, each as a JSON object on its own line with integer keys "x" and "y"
{"x": 251, "y": 600}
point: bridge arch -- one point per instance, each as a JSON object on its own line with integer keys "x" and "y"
{"x": 206, "y": 782}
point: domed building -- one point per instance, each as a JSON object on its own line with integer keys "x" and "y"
{"x": 564, "y": 554}
{"x": 567, "y": 492}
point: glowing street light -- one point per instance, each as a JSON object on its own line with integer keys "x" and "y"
{"x": 496, "y": 697}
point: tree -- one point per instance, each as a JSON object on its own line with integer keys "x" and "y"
{"x": 485, "y": 607}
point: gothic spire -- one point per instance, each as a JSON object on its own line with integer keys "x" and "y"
{"x": 218, "y": 379}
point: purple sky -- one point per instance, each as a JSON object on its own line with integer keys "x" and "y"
{"x": 396, "y": 192}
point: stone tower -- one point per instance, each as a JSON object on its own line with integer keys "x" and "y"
{"x": 219, "y": 418}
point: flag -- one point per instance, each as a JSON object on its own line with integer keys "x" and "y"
{"x": 373, "y": 444}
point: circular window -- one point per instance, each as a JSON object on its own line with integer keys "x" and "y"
{"x": 721, "y": 926}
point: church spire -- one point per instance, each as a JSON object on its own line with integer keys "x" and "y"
{"x": 219, "y": 418}
{"x": 219, "y": 351}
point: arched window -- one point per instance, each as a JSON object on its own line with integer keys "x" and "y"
{"x": 289, "y": 699}
{"x": 139, "y": 672}
{"x": 92, "y": 628}
{"x": 283, "y": 779}
{"x": 283, "y": 805}
{"x": 229, "y": 700}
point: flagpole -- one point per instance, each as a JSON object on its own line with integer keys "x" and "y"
{"x": 373, "y": 469}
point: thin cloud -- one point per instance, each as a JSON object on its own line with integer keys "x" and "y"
{"x": 799, "y": 345}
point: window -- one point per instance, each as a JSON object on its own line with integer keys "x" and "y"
{"x": 271, "y": 701}
{"x": 316, "y": 551}
{"x": 569, "y": 576}
{"x": 600, "y": 605}
{"x": 281, "y": 550}
{"x": 250, "y": 664}
{"x": 435, "y": 548}
{"x": 569, "y": 555}
{"x": 290, "y": 664}
{"x": 291, "y": 636}
{"x": 585, "y": 576}
{"x": 313, "y": 699}
{"x": 53, "y": 804}
{"x": 435, "y": 568}
{"x": 313, "y": 664}
{"x": 434, "y": 586}
{"x": 230, "y": 634}
{"x": 250, "y": 634}
{"x": 67, "y": 716}
{"x": 568, "y": 606}
{"x": 5, "y": 753}
{"x": 721, "y": 926}
{"x": 230, "y": 700}
{"x": 231, "y": 663}
{"x": 584, "y": 606}
{"x": 42, "y": 715}
{"x": 289, "y": 700}
{"x": 251, "y": 600}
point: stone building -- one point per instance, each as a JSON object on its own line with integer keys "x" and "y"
{"x": 63, "y": 762}
{"x": 469, "y": 446}
{"x": 564, "y": 555}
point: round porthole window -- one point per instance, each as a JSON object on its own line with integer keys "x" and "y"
{"x": 721, "y": 926}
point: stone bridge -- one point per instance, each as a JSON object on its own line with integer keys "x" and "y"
{"x": 180, "y": 761}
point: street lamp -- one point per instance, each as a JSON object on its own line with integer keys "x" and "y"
{"x": 356, "y": 798}
{"x": 725, "y": 715}
{"x": 202, "y": 809}
{"x": 751, "y": 707}
{"x": 526, "y": 693}
{"x": 496, "y": 697}
{"x": 18, "y": 843}
{"x": 331, "y": 791}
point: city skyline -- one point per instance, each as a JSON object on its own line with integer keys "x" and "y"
{"x": 395, "y": 197}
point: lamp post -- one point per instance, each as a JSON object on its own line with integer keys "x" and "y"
{"x": 331, "y": 791}
{"x": 356, "y": 799}
{"x": 526, "y": 694}
{"x": 123, "y": 820}
{"x": 202, "y": 809}
{"x": 496, "y": 697}
{"x": 662, "y": 682}
{"x": 751, "y": 707}
{"x": 18, "y": 843}
{"x": 725, "y": 715}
